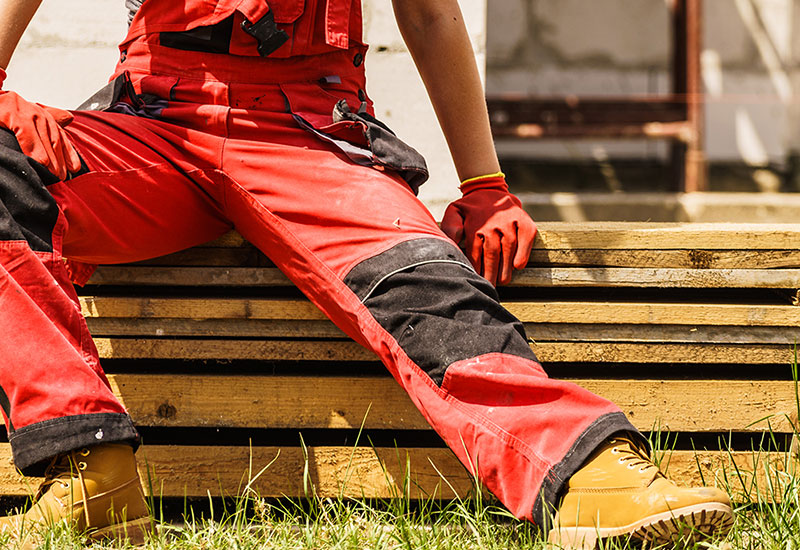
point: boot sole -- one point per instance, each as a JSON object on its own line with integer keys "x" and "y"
{"x": 135, "y": 531}
{"x": 687, "y": 522}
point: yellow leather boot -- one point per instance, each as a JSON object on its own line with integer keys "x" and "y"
{"x": 619, "y": 491}
{"x": 95, "y": 490}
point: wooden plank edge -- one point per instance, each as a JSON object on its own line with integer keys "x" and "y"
{"x": 547, "y": 352}
{"x": 644, "y": 235}
{"x": 363, "y": 472}
{"x": 532, "y": 277}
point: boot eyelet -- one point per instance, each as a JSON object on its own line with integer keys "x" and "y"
{"x": 82, "y": 465}
{"x": 64, "y": 485}
{"x": 614, "y": 450}
{"x": 621, "y": 461}
{"x": 631, "y": 466}
{"x": 643, "y": 469}
{"x": 84, "y": 452}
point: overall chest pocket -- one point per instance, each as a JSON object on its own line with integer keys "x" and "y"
{"x": 287, "y": 11}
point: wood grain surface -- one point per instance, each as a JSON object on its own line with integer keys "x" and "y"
{"x": 530, "y": 277}
{"x": 644, "y": 236}
{"x": 526, "y": 311}
{"x": 340, "y": 402}
{"x": 337, "y": 350}
{"x": 202, "y": 471}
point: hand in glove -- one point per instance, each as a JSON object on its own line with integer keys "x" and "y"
{"x": 496, "y": 231}
{"x": 39, "y": 132}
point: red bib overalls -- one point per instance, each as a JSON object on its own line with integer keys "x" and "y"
{"x": 204, "y": 129}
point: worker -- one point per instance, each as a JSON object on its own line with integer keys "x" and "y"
{"x": 254, "y": 115}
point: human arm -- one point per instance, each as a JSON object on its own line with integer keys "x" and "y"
{"x": 496, "y": 230}
{"x": 15, "y": 15}
{"x": 38, "y": 129}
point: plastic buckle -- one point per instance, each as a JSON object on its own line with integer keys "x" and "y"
{"x": 269, "y": 36}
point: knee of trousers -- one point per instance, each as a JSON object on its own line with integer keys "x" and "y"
{"x": 28, "y": 212}
{"x": 425, "y": 293}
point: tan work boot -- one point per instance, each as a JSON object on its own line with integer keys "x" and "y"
{"x": 94, "y": 490}
{"x": 619, "y": 491}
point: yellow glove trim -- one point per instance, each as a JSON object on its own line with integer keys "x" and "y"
{"x": 487, "y": 176}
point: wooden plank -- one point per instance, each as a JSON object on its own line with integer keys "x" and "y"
{"x": 657, "y": 278}
{"x": 267, "y": 350}
{"x": 646, "y": 236}
{"x": 191, "y": 276}
{"x": 548, "y": 352}
{"x": 685, "y": 259}
{"x": 266, "y": 401}
{"x": 197, "y": 308}
{"x": 364, "y": 472}
{"x": 540, "y": 332}
{"x": 569, "y": 332}
{"x": 380, "y": 403}
{"x": 529, "y": 277}
{"x": 529, "y": 312}
{"x": 695, "y": 354}
{"x": 668, "y": 236}
{"x": 248, "y": 256}
{"x": 656, "y": 313}
{"x": 358, "y": 472}
{"x": 315, "y": 402}
{"x": 214, "y": 328}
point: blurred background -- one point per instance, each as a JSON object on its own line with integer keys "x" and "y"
{"x": 602, "y": 109}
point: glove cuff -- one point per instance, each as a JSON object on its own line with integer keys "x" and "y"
{"x": 2, "y": 77}
{"x": 495, "y": 181}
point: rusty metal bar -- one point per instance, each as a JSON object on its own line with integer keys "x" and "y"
{"x": 688, "y": 158}
{"x": 678, "y": 116}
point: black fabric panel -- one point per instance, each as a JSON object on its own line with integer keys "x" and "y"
{"x": 439, "y": 310}
{"x": 387, "y": 148}
{"x": 211, "y": 39}
{"x": 35, "y": 445}
{"x": 555, "y": 482}
{"x": 5, "y": 403}
{"x": 27, "y": 210}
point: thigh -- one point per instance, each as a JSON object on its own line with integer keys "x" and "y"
{"x": 282, "y": 197}
{"x": 149, "y": 189}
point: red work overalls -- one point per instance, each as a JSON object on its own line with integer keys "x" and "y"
{"x": 200, "y": 134}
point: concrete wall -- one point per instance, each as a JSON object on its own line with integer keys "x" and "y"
{"x": 749, "y": 64}
{"x": 70, "y": 49}
{"x": 400, "y": 97}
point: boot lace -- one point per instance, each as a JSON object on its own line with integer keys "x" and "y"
{"x": 61, "y": 471}
{"x": 633, "y": 456}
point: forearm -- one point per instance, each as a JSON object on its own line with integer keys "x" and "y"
{"x": 437, "y": 38}
{"x": 14, "y": 18}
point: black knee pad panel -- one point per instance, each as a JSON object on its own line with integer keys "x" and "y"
{"x": 28, "y": 212}
{"x": 427, "y": 296}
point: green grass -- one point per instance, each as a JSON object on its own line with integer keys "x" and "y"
{"x": 767, "y": 517}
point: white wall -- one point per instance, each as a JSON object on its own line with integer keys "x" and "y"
{"x": 750, "y": 67}
{"x": 68, "y": 51}
{"x": 400, "y": 98}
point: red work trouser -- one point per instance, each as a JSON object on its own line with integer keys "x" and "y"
{"x": 217, "y": 146}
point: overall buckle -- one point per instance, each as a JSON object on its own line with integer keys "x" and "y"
{"x": 269, "y": 36}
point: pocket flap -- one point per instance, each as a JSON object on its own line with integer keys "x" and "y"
{"x": 287, "y": 11}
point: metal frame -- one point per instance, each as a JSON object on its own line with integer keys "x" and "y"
{"x": 677, "y": 116}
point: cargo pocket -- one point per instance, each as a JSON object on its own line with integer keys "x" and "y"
{"x": 359, "y": 135}
{"x": 121, "y": 96}
{"x": 287, "y": 11}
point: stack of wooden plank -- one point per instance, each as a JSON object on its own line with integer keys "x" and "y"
{"x": 226, "y": 367}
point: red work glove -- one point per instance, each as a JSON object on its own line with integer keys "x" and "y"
{"x": 497, "y": 232}
{"x": 39, "y": 132}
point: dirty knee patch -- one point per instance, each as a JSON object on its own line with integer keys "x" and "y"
{"x": 426, "y": 295}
